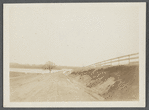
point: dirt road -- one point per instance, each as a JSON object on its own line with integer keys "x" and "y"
{"x": 46, "y": 87}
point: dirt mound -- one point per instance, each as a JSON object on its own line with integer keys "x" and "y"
{"x": 112, "y": 83}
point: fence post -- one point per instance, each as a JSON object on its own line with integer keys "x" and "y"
{"x": 118, "y": 61}
{"x": 111, "y": 62}
{"x": 129, "y": 59}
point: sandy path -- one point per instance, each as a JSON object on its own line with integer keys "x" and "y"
{"x": 46, "y": 87}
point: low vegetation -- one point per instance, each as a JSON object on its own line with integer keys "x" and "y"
{"x": 112, "y": 83}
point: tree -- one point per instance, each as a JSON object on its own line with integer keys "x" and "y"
{"x": 49, "y": 65}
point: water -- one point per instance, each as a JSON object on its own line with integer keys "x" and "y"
{"x": 32, "y": 70}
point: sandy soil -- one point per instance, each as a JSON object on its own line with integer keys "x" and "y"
{"x": 45, "y": 87}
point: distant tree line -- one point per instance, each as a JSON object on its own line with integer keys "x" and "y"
{"x": 40, "y": 66}
{"x": 34, "y": 66}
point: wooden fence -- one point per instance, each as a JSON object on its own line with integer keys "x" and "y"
{"x": 130, "y": 59}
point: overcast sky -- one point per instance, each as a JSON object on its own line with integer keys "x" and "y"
{"x": 72, "y": 34}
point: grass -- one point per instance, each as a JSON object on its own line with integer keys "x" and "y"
{"x": 113, "y": 83}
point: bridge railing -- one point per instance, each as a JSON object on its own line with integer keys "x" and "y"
{"x": 128, "y": 59}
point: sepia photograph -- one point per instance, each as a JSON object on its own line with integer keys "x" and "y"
{"x": 74, "y": 54}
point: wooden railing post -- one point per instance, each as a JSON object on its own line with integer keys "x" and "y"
{"x": 118, "y": 61}
{"x": 129, "y": 59}
{"x": 111, "y": 62}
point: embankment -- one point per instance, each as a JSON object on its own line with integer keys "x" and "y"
{"x": 117, "y": 83}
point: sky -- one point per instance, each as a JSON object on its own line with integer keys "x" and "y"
{"x": 72, "y": 34}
